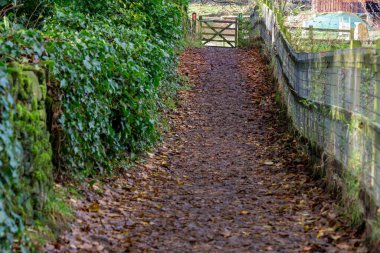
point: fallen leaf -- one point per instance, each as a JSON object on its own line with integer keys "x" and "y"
{"x": 226, "y": 233}
{"x": 94, "y": 208}
{"x": 344, "y": 246}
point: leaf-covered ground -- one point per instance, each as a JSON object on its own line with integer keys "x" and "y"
{"x": 227, "y": 178}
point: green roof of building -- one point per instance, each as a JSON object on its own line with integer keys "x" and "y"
{"x": 331, "y": 20}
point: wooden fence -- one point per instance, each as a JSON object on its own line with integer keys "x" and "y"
{"x": 333, "y": 100}
{"x": 353, "y": 6}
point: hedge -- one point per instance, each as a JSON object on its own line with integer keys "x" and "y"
{"x": 81, "y": 90}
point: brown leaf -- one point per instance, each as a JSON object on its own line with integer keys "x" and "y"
{"x": 94, "y": 208}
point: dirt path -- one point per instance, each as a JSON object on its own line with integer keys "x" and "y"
{"x": 228, "y": 178}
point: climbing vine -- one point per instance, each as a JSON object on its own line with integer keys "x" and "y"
{"x": 25, "y": 152}
{"x": 110, "y": 84}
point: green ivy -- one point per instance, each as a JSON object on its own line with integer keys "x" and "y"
{"x": 10, "y": 151}
{"x": 25, "y": 150}
{"x": 110, "y": 68}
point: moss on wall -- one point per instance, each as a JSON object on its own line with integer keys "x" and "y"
{"x": 30, "y": 122}
{"x": 25, "y": 156}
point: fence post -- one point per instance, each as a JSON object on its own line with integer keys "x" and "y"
{"x": 194, "y": 23}
{"x": 273, "y": 30}
{"x": 311, "y": 34}
{"x": 355, "y": 44}
{"x": 200, "y": 28}
{"x": 376, "y": 102}
{"x": 236, "y": 31}
{"x": 352, "y": 35}
{"x": 239, "y": 28}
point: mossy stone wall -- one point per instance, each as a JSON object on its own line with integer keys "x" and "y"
{"x": 25, "y": 150}
{"x": 30, "y": 93}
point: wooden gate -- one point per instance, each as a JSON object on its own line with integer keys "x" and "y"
{"x": 219, "y": 32}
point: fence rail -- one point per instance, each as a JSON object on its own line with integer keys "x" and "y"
{"x": 333, "y": 99}
{"x": 326, "y": 35}
{"x": 311, "y": 28}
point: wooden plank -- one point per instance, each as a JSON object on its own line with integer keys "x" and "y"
{"x": 219, "y": 21}
{"x": 326, "y": 40}
{"x": 230, "y": 29}
{"x": 200, "y": 24}
{"x": 224, "y": 34}
{"x": 236, "y": 32}
{"x": 218, "y": 46}
{"x": 208, "y": 30}
{"x": 319, "y": 29}
{"x": 215, "y": 40}
{"x": 225, "y": 41}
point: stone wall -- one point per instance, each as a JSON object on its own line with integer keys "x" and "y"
{"x": 25, "y": 152}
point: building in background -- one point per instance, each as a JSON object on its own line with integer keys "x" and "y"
{"x": 353, "y": 6}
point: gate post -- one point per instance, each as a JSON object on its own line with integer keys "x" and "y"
{"x": 239, "y": 22}
{"x": 236, "y": 31}
{"x": 194, "y": 23}
{"x": 200, "y": 28}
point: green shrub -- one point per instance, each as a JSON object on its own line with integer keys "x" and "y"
{"x": 111, "y": 70}
{"x": 111, "y": 67}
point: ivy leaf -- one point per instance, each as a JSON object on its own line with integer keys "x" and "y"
{"x": 63, "y": 83}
